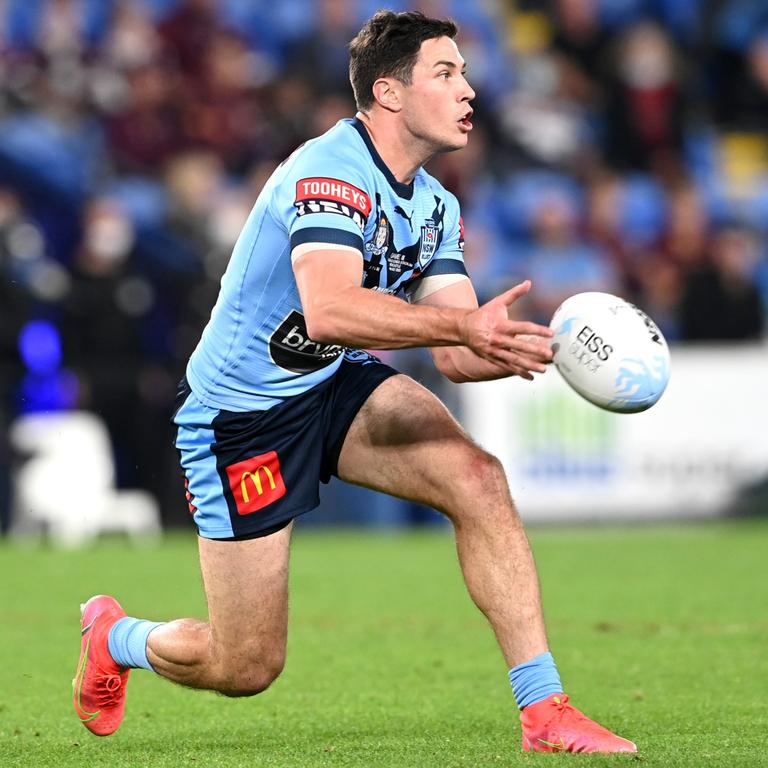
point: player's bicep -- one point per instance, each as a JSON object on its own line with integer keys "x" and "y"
{"x": 326, "y": 225}
{"x": 324, "y": 275}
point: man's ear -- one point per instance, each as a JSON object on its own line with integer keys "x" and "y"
{"x": 386, "y": 91}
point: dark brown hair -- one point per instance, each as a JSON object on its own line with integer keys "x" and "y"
{"x": 388, "y": 46}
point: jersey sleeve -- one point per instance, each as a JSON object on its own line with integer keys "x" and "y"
{"x": 329, "y": 202}
{"x": 447, "y": 265}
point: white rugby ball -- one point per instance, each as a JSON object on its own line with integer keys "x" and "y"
{"x": 610, "y": 352}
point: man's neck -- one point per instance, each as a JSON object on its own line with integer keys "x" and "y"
{"x": 400, "y": 154}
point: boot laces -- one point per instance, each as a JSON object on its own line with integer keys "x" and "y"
{"x": 567, "y": 712}
{"x": 108, "y": 689}
{"x": 560, "y": 704}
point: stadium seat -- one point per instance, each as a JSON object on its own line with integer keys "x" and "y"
{"x": 755, "y": 206}
{"x": 142, "y": 198}
{"x": 66, "y": 157}
{"x": 524, "y": 192}
{"x": 65, "y": 485}
{"x": 644, "y": 209}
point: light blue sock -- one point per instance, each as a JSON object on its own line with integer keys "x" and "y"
{"x": 535, "y": 680}
{"x": 128, "y": 642}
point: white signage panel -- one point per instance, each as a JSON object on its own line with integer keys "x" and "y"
{"x": 687, "y": 456}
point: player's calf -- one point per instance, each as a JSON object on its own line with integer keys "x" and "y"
{"x": 193, "y": 653}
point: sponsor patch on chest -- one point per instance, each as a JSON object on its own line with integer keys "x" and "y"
{"x": 291, "y": 348}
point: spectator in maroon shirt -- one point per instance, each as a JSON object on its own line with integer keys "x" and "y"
{"x": 644, "y": 110}
{"x": 146, "y": 130}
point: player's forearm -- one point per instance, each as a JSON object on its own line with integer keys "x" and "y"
{"x": 361, "y": 318}
{"x": 461, "y": 365}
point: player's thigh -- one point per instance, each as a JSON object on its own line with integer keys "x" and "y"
{"x": 405, "y": 442}
{"x": 246, "y": 586}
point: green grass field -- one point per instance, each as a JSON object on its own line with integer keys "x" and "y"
{"x": 660, "y": 632}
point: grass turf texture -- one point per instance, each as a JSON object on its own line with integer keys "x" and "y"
{"x": 660, "y": 632}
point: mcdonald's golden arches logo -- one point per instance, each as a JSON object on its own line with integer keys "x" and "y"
{"x": 256, "y": 482}
{"x": 255, "y": 478}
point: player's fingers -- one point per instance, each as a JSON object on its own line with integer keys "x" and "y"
{"x": 527, "y": 328}
{"x": 532, "y": 351}
{"x": 529, "y": 345}
{"x": 510, "y": 296}
{"x": 516, "y": 363}
{"x": 540, "y": 349}
{"x": 533, "y": 366}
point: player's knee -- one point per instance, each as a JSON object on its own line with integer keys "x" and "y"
{"x": 252, "y": 676}
{"x": 478, "y": 481}
{"x": 480, "y": 473}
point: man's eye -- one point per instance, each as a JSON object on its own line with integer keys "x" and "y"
{"x": 446, "y": 75}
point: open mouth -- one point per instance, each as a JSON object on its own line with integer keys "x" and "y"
{"x": 466, "y": 121}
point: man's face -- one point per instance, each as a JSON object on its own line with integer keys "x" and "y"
{"x": 436, "y": 104}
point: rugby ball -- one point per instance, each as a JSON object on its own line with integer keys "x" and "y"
{"x": 610, "y": 352}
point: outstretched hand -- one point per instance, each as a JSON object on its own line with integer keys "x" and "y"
{"x": 517, "y": 346}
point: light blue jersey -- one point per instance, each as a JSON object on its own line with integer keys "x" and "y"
{"x": 334, "y": 191}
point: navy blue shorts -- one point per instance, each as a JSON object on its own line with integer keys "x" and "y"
{"x": 249, "y": 474}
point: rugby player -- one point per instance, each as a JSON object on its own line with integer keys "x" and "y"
{"x": 279, "y": 395}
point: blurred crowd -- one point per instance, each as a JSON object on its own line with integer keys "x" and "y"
{"x": 619, "y": 145}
